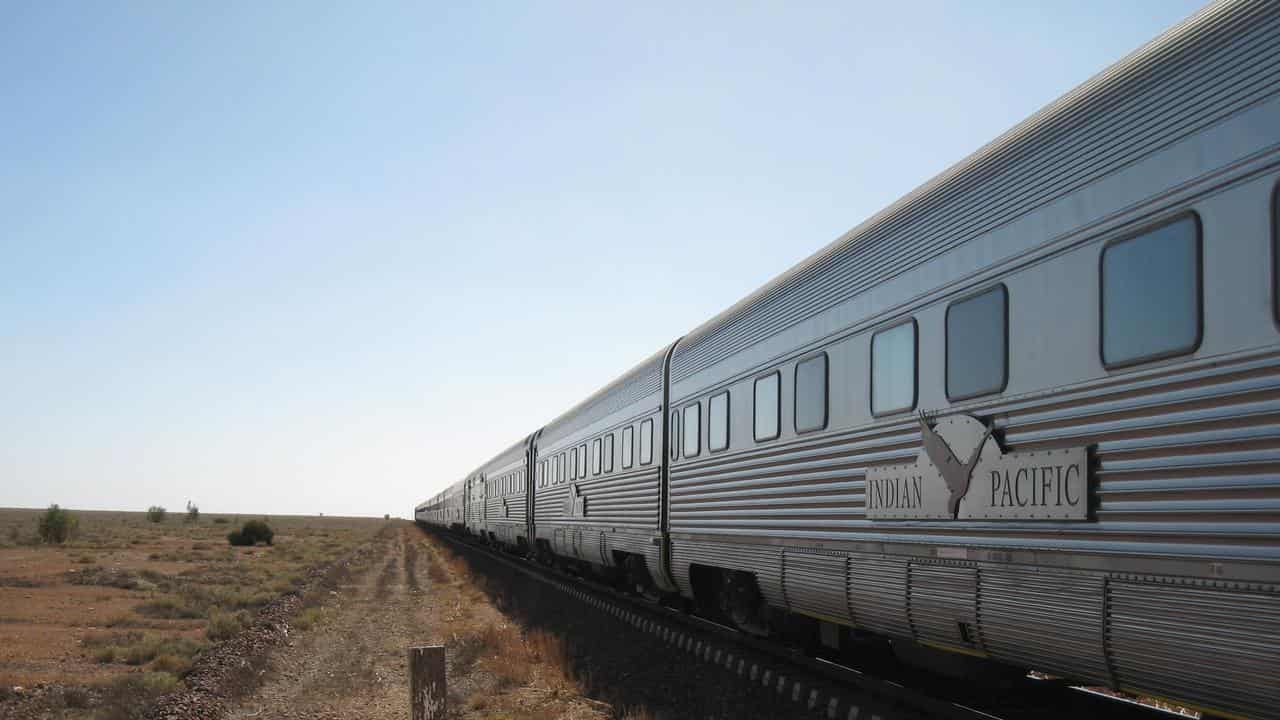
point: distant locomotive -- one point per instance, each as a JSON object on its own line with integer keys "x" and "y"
{"x": 1087, "y": 310}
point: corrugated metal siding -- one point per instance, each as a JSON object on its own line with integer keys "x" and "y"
{"x": 1199, "y": 73}
{"x": 1221, "y": 647}
{"x": 1050, "y": 621}
{"x": 764, "y": 562}
{"x": 625, "y": 500}
{"x": 621, "y": 513}
{"x": 814, "y": 584}
{"x": 1187, "y": 463}
{"x": 878, "y": 593}
{"x": 939, "y": 599}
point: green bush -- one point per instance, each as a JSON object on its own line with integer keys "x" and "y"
{"x": 223, "y": 625}
{"x": 156, "y": 514}
{"x": 220, "y": 521}
{"x": 57, "y": 525}
{"x": 253, "y": 532}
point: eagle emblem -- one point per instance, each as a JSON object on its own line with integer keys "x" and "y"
{"x": 955, "y": 473}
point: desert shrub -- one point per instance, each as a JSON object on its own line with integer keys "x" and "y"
{"x": 156, "y": 514}
{"x": 103, "y": 640}
{"x": 173, "y": 664}
{"x": 170, "y": 609}
{"x": 57, "y": 525}
{"x": 253, "y": 532}
{"x": 223, "y": 625}
{"x": 308, "y": 618}
{"x": 220, "y": 521}
{"x": 386, "y": 516}
{"x": 106, "y": 655}
{"x": 76, "y": 698}
{"x": 193, "y": 513}
{"x": 128, "y": 697}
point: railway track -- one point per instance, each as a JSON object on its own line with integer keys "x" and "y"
{"x": 816, "y": 687}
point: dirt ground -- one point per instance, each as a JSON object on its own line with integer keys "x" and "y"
{"x": 126, "y": 596}
{"x": 354, "y": 663}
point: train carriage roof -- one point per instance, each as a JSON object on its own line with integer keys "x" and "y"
{"x": 1205, "y": 68}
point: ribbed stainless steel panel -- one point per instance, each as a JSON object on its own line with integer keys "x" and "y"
{"x": 878, "y": 594}
{"x": 1046, "y": 620}
{"x": 1216, "y": 646}
{"x": 942, "y": 603}
{"x": 764, "y": 562}
{"x": 1206, "y": 69}
{"x": 814, "y": 584}
{"x": 1187, "y": 464}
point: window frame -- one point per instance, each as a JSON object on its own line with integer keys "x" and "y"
{"x": 607, "y": 446}
{"x": 677, "y": 440}
{"x": 696, "y": 405}
{"x": 582, "y": 460}
{"x": 1147, "y": 228}
{"x": 826, "y": 393}
{"x": 755, "y": 430}
{"x": 597, "y": 458}
{"x": 915, "y": 368}
{"x": 1275, "y": 254}
{"x": 728, "y": 413}
{"x": 946, "y": 343}
{"x": 628, "y": 447}
{"x": 640, "y": 440}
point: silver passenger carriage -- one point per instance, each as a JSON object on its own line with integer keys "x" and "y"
{"x": 599, "y": 470}
{"x": 1097, "y": 280}
{"x": 1030, "y": 412}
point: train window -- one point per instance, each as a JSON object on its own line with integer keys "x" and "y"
{"x": 1151, "y": 294}
{"x": 692, "y": 430}
{"x": 1275, "y": 251}
{"x": 768, "y": 406}
{"x": 596, "y": 459}
{"x": 582, "y": 461}
{"x": 573, "y": 463}
{"x": 646, "y": 442}
{"x": 560, "y": 469}
{"x": 811, "y": 394}
{"x": 718, "y": 422}
{"x": 628, "y": 437}
{"x": 893, "y": 369}
{"x": 978, "y": 344}
{"x": 675, "y": 434}
{"x": 608, "y": 453}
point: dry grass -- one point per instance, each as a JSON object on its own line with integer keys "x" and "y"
{"x": 485, "y": 642}
{"x": 308, "y": 618}
{"x": 159, "y": 590}
{"x": 411, "y": 566}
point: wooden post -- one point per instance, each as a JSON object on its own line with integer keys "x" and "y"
{"x": 426, "y": 682}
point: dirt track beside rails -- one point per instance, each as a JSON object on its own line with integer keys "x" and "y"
{"x": 353, "y": 662}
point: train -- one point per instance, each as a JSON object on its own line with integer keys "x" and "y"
{"x": 1026, "y": 417}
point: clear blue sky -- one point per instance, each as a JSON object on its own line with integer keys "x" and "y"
{"x": 314, "y": 257}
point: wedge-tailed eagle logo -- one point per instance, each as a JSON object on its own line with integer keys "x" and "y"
{"x": 575, "y": 505}
{"x": 956, "y": 474}
{"x": 962, "y": 472}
